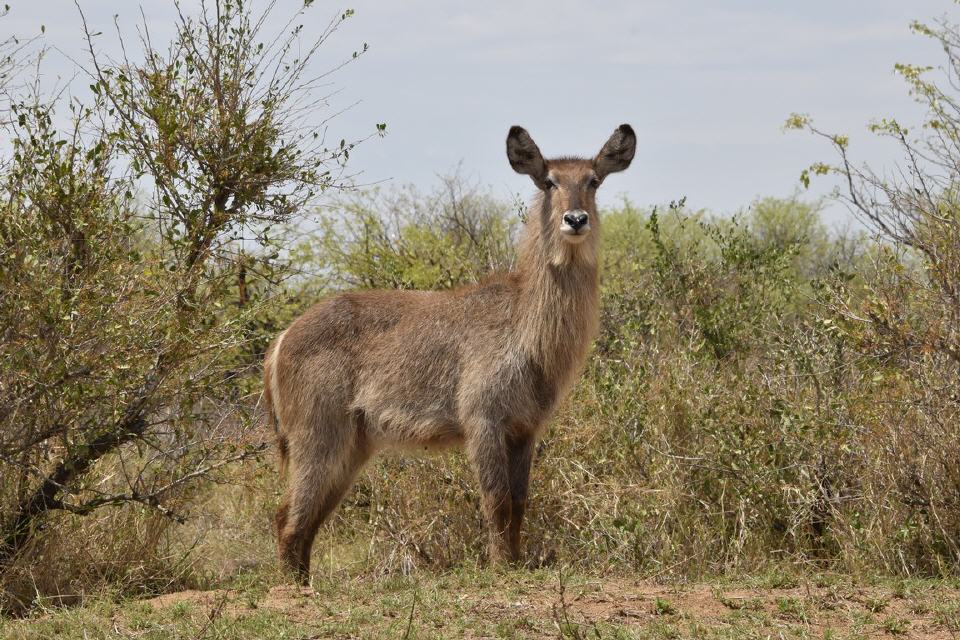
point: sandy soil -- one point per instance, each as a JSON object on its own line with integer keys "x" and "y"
{"x": 632, "y": 604}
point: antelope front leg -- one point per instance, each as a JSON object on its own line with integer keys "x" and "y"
{"x": 520, "y": 456}
{"x": 487, "y": 450}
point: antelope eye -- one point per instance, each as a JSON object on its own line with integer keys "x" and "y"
{"x": 549, "y": 184}
{"x": 594, "y": 182}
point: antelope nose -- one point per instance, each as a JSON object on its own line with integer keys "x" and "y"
{"x": 575, "y": 219}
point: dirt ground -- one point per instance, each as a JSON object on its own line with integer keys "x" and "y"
{"x": 607, "y": 607}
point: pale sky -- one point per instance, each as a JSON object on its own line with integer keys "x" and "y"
{"x": 707, "y": 84}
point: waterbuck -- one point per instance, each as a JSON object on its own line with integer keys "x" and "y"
{"x": 481, "y": 367}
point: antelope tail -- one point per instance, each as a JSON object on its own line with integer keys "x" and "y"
{"x": 271, "y": 399}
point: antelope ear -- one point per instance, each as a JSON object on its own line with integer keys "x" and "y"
{"x": 617, "y": 152}
{"x": 525, "y": 156}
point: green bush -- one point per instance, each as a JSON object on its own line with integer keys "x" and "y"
{"x": 137, "y": 256}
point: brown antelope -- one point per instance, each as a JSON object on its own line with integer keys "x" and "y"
{"x": 481, "y": 367}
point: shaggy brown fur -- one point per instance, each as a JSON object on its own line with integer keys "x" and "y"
{"x": 480, "y": 367}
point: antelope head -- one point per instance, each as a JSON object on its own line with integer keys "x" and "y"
{"x": 569, "y": 185}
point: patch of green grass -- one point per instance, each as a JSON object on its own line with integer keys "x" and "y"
{"x": 919, "y": 607}
{"x": 663, "y": 607}
{"x": 793, "y": 609}
{"x": 829, "y": 600}
{"x": 737, "y": 604}
{"x": 861, "y": 622}
{"x": 514, "y": 627}
{"x": 778, "y": 578}
{"x": 757, "y": 618}
{"x": 895, "y": 626}
{"x": 823, "y": 580}
{"x": 876, "y": 604}
{"x": 181, "y": 609}
{"x": 947, "y": 616}
{"x": 661, "y": 630}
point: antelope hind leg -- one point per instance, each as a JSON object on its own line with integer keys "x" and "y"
{"x": 316, "y": 488}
